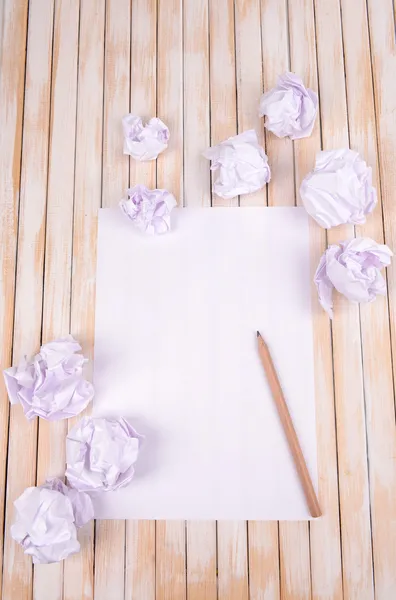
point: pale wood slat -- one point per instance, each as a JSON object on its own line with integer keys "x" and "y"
{"x": 295, "y": 574}
{"x": 196, "y": 122}
{"x": 325, "y": 545}
{"x": 78, "y": 574}
{"x": 223, "y": 111}
{"x": 48, "y": 579}
{"x": 231, "y": 536}
{"x": 170, "y": 535}
{"x": 275, "y": 62}
{"x": 263, "y": 550}
{"x": 377, "y": 354}
{"x": 110, "y": 534}
{"x": 249, "y": 79}
{"x": 351, "y": 436}
{"x": 140, "y": 535}
{"x": 200, "y": 535}
{"x": 264, "y": 576}
{"x": 17, "y": 576}
{"x": 383, "y": 57}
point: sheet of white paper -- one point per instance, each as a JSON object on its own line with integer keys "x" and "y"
{"x": 175, "y": 353}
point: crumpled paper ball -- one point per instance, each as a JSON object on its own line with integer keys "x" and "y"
{"x": 51, "y": 385}
{"x": 353, "y": 269}
{"x": 100, "y": 454}
{"x": 339, "y": 189}
{"x": 241, "y": 163}
{"x": 149, "y": 210}
{"x": 47, "y": 517}
{"x": 144, "y": 142}
{"x": 290, "y": 108}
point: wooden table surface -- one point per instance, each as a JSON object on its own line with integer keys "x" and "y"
{"x": 69, "y": 71}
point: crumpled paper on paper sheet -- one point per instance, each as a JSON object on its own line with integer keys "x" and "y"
{"x": 353, "y": 269}
{"x": 290, "y": 108}
{"x": 47, "y": 517}
{"x": 51, "y": 385}
{"x": 149, "y": 210}
{"x": 144, "y": 142}
{"x": 339, "y": 189}
{"x": 100, "y": 454}
{"x": 241, "y": 163}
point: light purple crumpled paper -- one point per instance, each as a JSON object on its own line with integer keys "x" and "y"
{"x": 353, "y": 269}
{"x": 100, "y": 454}
{"x": 47, "y": 517}
{"x": 144, "y": 142}
{"x": 241, "y": 163}
{"x": 290, "y": 108}
{"x": 149, "y": 210}
{"x": 339, "y": 189}
{"x": 51, "y": 385}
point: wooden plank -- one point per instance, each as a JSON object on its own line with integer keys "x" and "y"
{"x": 196, "y": 102}
{"x": 201, "y": 560}
{"x": 140, "y": 560}
{"x": 48, "y": 580}
{"x": 264, "y": 576}
{"x": 17, "y": 576}
{"x": 263, "y": 548}
{"x": 201, "y": 535}
{"x": 109, "y": 566}
{"x": 383, "y": 57}
{"x": 143, "y": 98}
{"x": 381, "y": 431}
{"x": 325, "y": 542}
{"x": 295, "y": 574}
{"x": 249, "y": 80}
{"x": 170, "y": 535}
{"x": 78, "y": 578}
{"x": 140, "y": 535}
{"x": 232, "y": 560}
{"x": 275, "y": 62}
{"x": 223, "y": 111}
{"x": 170, "y": 94}
{"x": 231, "y": 536}
{"x": 349, "y": 395}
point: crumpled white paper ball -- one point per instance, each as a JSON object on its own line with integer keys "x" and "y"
{"x": 100, "y": 454}
{"x": 339, "y": 189}
{"x": 149, "y": 210}
{"x": 144, "y": 142}
{"x": 290, "y": 108}
{"x": 353, "y": 269}
{"x": 51, "y": 385}
{"x": 47, "y": 517}
{"x": 241, "y": 165}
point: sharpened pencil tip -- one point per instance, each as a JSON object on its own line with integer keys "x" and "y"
{"x": 258, "y": 334}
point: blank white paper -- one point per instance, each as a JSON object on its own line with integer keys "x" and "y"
{"x": 176, "y": 354}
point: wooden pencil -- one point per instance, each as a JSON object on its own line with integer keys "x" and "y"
{"x": 288, "y": 427}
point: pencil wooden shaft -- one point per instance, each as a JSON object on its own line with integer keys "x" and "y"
{"x": 288, "y": 427}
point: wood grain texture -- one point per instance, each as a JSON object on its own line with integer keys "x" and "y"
{"x": 48, "y": 581}
{"x": 78, "y": 576}
{"x": 201, "y": 66}
{"x": 140, "y": 536}
{"x": 326, "y": 576}
{"x": 295, "y": 575}
{"x": 381, "y": 430}
{"x": 349, "y": 392}
{"x": 231, "y": 536}
{"x": 170, "y": 535}
{"x": 110, "y": 566}
{"x": 200, "y": 535}
{"x": 17, "y": 579}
